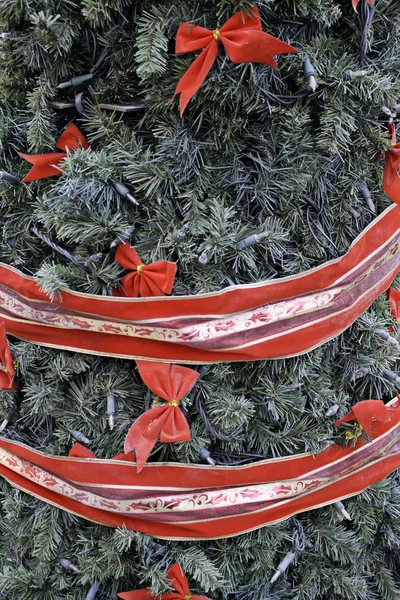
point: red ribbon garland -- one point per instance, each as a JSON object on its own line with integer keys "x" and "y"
{"x": 154, "y": 279}
{"x": 243, "y": 40}
{"x": 7, "y": 372}
{"x": 178, "y": 582}
{"x": 170, "y": 383}
{"x": 46, "y": 165}
{"x": 355, "y": 3}
{"x": 391, "y": 179}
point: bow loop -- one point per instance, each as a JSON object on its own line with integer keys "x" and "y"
{"x": 366, "y": 412}
{"x": 243, "y": 40}
{"x": 154, "y": 279}
{"x": 192, "y": 37}
{"x": 166, "y": 421}
{"x": 243, "y": 21}
{"x": 178, "y": 580}
{"x": 255, "y": 46}
{"x": 169, "y": 382}
{"x": 47, "y": 165}
{"x": 7, "y": 371}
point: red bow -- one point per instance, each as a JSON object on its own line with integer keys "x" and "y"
{"x": 365, "y": 413}
{"x": 170, "y": 383}
{"x": 178, "y": 582}
{"x": 155, "y": 279}
{"x": 7, "y": 372}
{"x": 243, "y": 40}
{"x": 391, "y": 179}
{"x": 45, "y": 165}
{"x": 355, "y": 3}
{"x": 79, "y": 451}
{"x": 394, "y": 301}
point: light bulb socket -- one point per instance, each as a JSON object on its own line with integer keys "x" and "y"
{"x": 123, "y": 191}
{"x": 92, "y": 593}
{"x": 77, "y": 80}
{"x": 9, "y": 178}
{"x": 79, "y": 437}
{"x": 202, "y": 260}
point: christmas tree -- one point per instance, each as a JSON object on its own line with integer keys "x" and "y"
{"x": 267, "y": 173}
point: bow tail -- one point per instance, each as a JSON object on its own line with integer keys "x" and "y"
{"x": 42, "y": 165}
{"x": 143, "y": 435}
{"x": 71, "y": 138}
{"x": 190, "y": 81}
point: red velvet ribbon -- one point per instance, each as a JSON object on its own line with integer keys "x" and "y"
{"x": 178, "y": 582}
{"x": 394, "y": 302}
{"x": 154, "y": 279}
{"x": 243, "y": 40}
{"x": 79, "y": 451}
{"x": 46, "y": 165}
{"x": 366, "y": 412}
{"x": 7, "y": 372}
{"x": 355, "y": 3}
{"x": 391, "y": 179}
{"x": 167, "y": 422}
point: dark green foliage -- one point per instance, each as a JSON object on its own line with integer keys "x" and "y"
{"x": 239, "y": 162}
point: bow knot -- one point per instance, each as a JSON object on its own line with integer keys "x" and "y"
{"x": 355, "y": 433}
{"x": 217, "y": 37}
{"x": 166, "y": 421}
{"x": 154, "y": 279}
{"x": 243, "y": 40}
{"x": 47, "y": 165}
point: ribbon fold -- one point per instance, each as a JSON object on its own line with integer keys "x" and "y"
{"x": 47, "y": 165}
{"x": 79, "y": 451}
{"x": 366, "y": 412}
{"x": 154, "y": 279}
{"x": 7, "y": 371}
{"x": 391, "y": 179}
{"x": 178, "y": 582}
{"x": 170, "y": 383}
{"x": 394, "y": 302}
{"x": 243, "y": 40}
